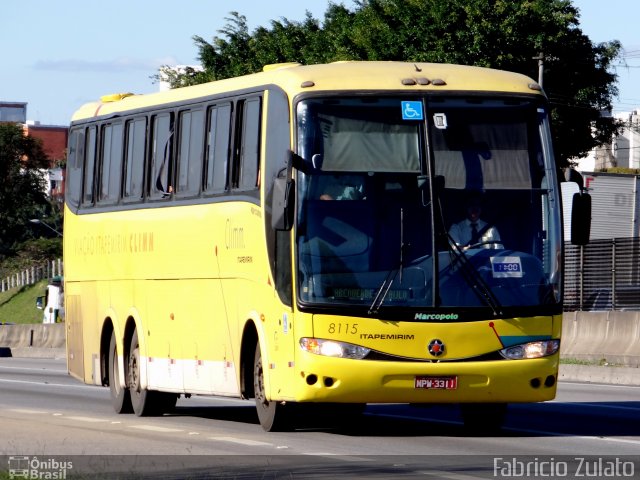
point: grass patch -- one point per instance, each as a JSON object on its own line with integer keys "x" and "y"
{"x": 594, "y": 363}
{"x": 19, "y": 305}
{"x": 575, "y": 361}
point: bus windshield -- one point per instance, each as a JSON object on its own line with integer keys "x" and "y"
{"x": 426, "y": 203}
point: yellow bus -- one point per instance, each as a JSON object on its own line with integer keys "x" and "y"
{"x": 294, "y": 236}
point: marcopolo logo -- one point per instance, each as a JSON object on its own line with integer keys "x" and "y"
{"x": 436, "y": 316}
{"x": 36, "y": 468}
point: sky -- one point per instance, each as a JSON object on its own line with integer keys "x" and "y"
{"x": 57, "y": 56}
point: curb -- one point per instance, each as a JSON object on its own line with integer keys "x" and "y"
{"x": 33, "y": 352}
{"x": 596, "y": 374}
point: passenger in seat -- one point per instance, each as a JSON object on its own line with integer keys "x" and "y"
{"x": 343, "y": 187}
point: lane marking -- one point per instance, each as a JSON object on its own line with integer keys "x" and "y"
{"x": 31, "y": 369}
{"x": 614, "y": 407}
{"x": 339, "y": 456}
{"x": 411, "y": 417}
{"x": 242, "y": 441}
{"x": 620, "y": 440}
{"x": 28, "y": 412}
{"x": 583, "y": 437}
{"x": 47, "y": 384}
{"x": 153, "y": 428}
{"x": 526, "y": 430}
{"x": 601, "y": 385}
{"x": 89, "y": 419}
{"x": 452, "y": 476}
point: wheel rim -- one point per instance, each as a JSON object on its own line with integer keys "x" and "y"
{"x": 134, "y": 373}
{"x": 259, "y": 384}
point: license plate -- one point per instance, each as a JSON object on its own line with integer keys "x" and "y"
{"x": 437, "y": 383}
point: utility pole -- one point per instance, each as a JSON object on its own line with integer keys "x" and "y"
{"x": 540, "y": 59}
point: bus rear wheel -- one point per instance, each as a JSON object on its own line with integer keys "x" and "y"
{"x": 273, "y": 416}
{"x": 120, "y": 398}
{"x": 145, "y": 402}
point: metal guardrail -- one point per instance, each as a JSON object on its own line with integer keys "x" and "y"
{"x": 603, "y": 275}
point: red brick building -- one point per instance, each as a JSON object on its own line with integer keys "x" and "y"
{"x": 54, "y": 140}
{"x": 54, "y": 143}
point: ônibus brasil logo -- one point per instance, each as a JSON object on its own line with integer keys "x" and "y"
{"x": 36, "y": 468}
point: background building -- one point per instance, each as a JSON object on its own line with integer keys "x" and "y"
{"x": 15, "y": 112}
{"x": 623, "y": 151}
{"x": 54, "y": 143}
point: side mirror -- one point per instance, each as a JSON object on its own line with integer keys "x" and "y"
{"x": 571, "y": 175}
{"x": 283, "y": 206}
{"x": 581, "y": 218}
{"x": 40, "y": 303}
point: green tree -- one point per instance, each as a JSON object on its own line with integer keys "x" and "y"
{"x": 504, "y": 34}
{"x": 22, "y": 194}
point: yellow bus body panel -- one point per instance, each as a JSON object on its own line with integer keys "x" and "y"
{"x": 393, "y": 379}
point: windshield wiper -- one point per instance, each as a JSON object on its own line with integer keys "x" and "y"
{"x": 391, "y": 275}
{"x": 473, "y": 277}
{"x": 470, "y": 274}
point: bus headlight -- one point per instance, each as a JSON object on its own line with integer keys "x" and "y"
{"x": 531, "y": 350}
{"x": 332, "y": 348}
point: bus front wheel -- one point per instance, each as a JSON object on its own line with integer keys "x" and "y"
{"x": 120, "y": 398}
{"x": 273, "y": 416}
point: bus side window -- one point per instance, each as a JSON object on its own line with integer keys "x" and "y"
{"x": 74, "y": 167}
{"x": 190, "y": 146}
{"x": 161, "y": 185}
{"x": 247, "y": 158}
{"x": 89, "y": 165}
{"x": 112, "y": 142}
{"x": 136, "y": 131}
{"x": 218, "y": 143}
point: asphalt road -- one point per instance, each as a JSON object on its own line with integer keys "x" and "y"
{"x": 46, "y": 413}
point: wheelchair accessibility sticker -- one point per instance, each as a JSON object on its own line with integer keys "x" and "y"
{"x": 412, "y": 111}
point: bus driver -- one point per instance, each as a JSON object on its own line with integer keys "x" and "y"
{"x": 472, "y": 231}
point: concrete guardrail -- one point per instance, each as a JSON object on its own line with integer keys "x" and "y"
{"x": 34, "y": 337}
{"x": 602, "y": 337}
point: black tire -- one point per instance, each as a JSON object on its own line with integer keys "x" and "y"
{"x": 141, "y": 398}
{"x": 145, "y": 402}
{"x": 120, "y": 398}
{"x": 273, "y": 416}
{"x": 483, "y": 418}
